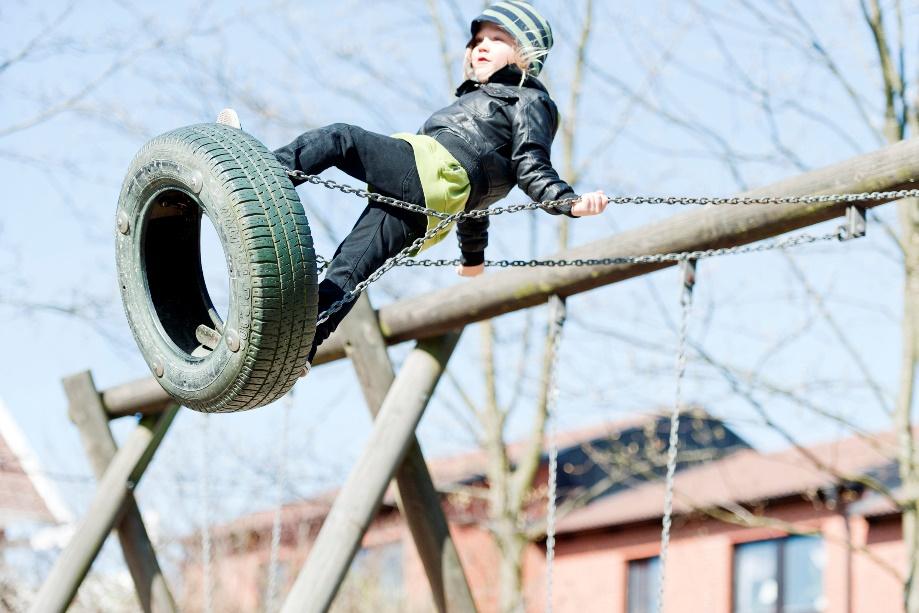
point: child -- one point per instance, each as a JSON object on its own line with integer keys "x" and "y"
{"x": 497, "y": 133}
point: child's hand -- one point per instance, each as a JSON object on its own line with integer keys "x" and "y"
{"x": 470, "y": 271}
{"x": 592, "y": 203}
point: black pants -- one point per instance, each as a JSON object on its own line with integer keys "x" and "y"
{"x": 388, "y": 165}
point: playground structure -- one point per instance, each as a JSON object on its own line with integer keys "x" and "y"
{"x": 435, "y": 321}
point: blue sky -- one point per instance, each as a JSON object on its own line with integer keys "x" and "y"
{"x": 288, "y": 67}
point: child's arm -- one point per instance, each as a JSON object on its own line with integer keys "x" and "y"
{"x": 472, "y": 233}
{"x": 533, "y": 131}
{"x": 534, "y": 127}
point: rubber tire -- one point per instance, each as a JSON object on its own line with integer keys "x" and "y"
{"x": 232, "y": 178}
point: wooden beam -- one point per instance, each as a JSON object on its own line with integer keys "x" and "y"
{"x": 117, "y": 484}
{"x": 88, "y": 414}
{"x": 359, "y": 499}
{"x": 142, "y": 396}
{"x": 891, "y": 168}
{"x": 418, "y": 500}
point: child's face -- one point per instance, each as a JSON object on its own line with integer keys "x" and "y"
{"x": 492, "y": 49}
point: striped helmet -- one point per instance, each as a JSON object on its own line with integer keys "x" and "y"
{"x": 529, "y": 28}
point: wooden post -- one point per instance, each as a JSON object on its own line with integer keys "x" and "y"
{"x": 116, "y": 485}
{"x": 418, "y": 500}
{"x": 359, "y": 498}
{"x": 88, "y": 414}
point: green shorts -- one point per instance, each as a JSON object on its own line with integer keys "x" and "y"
{"x": 443, "y": 180}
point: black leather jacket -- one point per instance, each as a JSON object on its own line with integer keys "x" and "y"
{"x": 502, "y": 135}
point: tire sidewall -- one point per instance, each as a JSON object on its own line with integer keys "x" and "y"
{"x": 170, "y": 164}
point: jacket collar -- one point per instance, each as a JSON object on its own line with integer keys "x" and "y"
{"x": 509, "y": 75}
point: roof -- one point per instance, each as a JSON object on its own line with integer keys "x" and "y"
{"x": 472, "y": 465}
{"x": 25, "y": 492}
{"x": 737, "y": 474}
{"x": 577, "y": 448}
{"x": 462, "y": 467}
{"x": 744, "y": 477}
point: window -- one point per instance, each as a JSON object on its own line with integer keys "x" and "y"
{"x": 779, "y": 576}
{"x": 644, "y": 576}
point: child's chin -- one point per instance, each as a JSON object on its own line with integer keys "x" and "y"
{"x": 483, "y": 75}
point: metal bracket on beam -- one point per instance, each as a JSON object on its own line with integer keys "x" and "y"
{"x": 856, "y": 224}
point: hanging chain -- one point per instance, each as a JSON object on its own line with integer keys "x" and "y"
{"x": 557, "y": 321}
{"x": 401, "y": 259}
{"x": 207, "y": 570}
{"x": 564, "y": 202}
{"x": 790, "y": 241}
{"x": 689, "y": 272}
{"x": 404, "y": 257}
{"x": 272, "y": 592}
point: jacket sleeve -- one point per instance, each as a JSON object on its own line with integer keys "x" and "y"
{"x": 533, "y": 129}
{"x": 472, "y": 233}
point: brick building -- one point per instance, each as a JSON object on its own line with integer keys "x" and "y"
{"x": 793, "y": 531}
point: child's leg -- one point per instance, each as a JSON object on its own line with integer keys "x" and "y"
{"x": 381, "y": 161}
{"x": 379, "y": 233}
{"x": 388, "y": 165}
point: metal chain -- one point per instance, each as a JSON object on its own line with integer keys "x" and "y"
{"x": 557, "y": 317}
{"x": 563, "y": 202}
{"x": 798, "y": 239}
{"x": 402, "y": 258}
{"x": 688, "y": 266}
{"x": 272, "y": 593}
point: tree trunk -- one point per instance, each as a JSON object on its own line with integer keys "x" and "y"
{"x": 909, "y": 223}
{"x": 512, "y": 543}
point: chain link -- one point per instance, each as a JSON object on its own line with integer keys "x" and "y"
{"x": 563, "y": 202}
{"x": 403, "y": 257}
{"x": 557, "y": 315}
{"x": 689, "y": 274}
{"x": 798, "y": 239}
{"x": 658, "y": 258}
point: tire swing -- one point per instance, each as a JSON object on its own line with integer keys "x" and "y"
{"x": 205, "y": 363}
